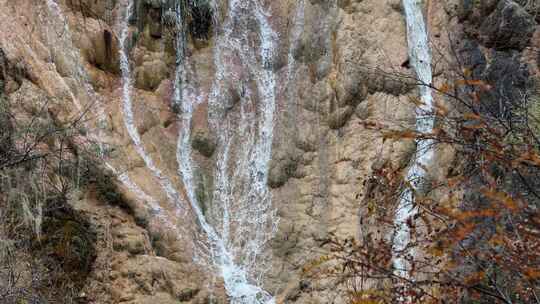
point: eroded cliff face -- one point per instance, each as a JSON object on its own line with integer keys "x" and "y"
{"x": 333, "y": 64}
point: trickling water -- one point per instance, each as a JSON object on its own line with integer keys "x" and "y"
{"x": 420, "y": 58}
{"x": 235, "y": 240}
{"x": 240, "y": 220}
{"x": 80, "y": 76}
{"x": 141, "y": 195}
{"x": 129, "y": 119}
{"x": 242, "y": 233}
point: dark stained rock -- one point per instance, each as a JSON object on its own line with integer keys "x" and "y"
{"x": 187, "y": 294}
{"x": 204, "y": 143}
{"x": 472, "y": 58}
{"x": 509, "y": 26}
{"x": 510, "y": 79}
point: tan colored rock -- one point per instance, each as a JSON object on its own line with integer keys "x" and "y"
{"x": 149, "y": 75}
{"x": 323, "y": 154}
{"x": 99, "y": 45}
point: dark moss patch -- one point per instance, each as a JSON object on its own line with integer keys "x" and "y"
{"x": 85, "y": 172}
{"x": 108, "y": 38}
{"x": 195, "y": 15}
{"x": 203, "y": 143}
{"x": 203, "y": 190}
{"x": 282, "y": 170}
{"x": 59, "y": 257}
{"x": 200, "y": 21}
{"x": 187, "y": 294}
{"x": 69, "y": 241}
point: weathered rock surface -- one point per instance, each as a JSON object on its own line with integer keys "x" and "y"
{"x": 346, "y": 61}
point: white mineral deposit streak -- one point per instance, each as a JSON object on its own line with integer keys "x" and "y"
{"x": 141, "y": 195}
{"x": 420, "y": 58}
{"x": 239, "y": 236}
{"x": 129, "y": 119}
{"x": 81, "y": 77}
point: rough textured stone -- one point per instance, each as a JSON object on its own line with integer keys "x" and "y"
{"x": 510, "y": 26}
{"x": 323, "y": 156}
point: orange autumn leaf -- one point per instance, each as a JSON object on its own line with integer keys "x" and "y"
{"x": 467, "y": 72}
{"x": 474, "y": 82}
{"x": 475, "y": 277}
{"x": 400, "y": 134}
{"x": 464, "y": 231}
{"x": 441, "y": 109}
{"x": 532, "y": 273}
{"x": 466, "y": 215}
{"x": 372, "y": 125}
{"x": 454, "y": 181}
{"x": 436, "y": 251}
{"x": 476, "y": 126}
{"x": 436, "y": 131}
{"x": 497, "y": 240}
{"x": 528, "y": 157}
{"x": 471, "y": 82}
{"x": 501, "y": 197}
{"x": 445, "y": 88}
{"x": 369, "y": 296}
{"x": 471, "y": 116}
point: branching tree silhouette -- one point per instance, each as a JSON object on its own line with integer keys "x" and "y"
{"x": 45, "y": 246}
{"x": 476, "y": 235}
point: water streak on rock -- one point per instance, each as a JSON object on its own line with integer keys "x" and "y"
{"x": 420, "y": 59}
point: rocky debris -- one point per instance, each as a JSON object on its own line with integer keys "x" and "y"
{"x": 102, "y": 10}
{"x": 187, "y": 294}
{"x": 510, "y": 75}
{"x": 472, "y": 57}
{"x": 339, "y": 117}
{"x": 11, "y": 74}
{"x": 149, "y": 75}
{"x": 283, "y": 167}
{"x": 340, "y": 54}
{"x": 155, "y": 17}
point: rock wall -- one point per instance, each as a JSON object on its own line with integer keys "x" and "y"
{"x": 346, "y": 55}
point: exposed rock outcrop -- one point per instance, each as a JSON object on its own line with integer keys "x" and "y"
{"x": 346, "y": 71}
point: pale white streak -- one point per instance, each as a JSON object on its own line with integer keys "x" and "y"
{"x": 142, "y": 196}
{"x": 420, "y": 58}
{"x": 129, "y": 119}
{"x": 243, "y": 220}
{"x": 82, "y": 79}
{"x": 244, "y": 203}
{"x": 124, "y": 178}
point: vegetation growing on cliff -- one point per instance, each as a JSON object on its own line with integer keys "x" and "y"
{"x": 47, "y": 247}
{"x": 476, "y": 235}
{"x": 195, "y": 16}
